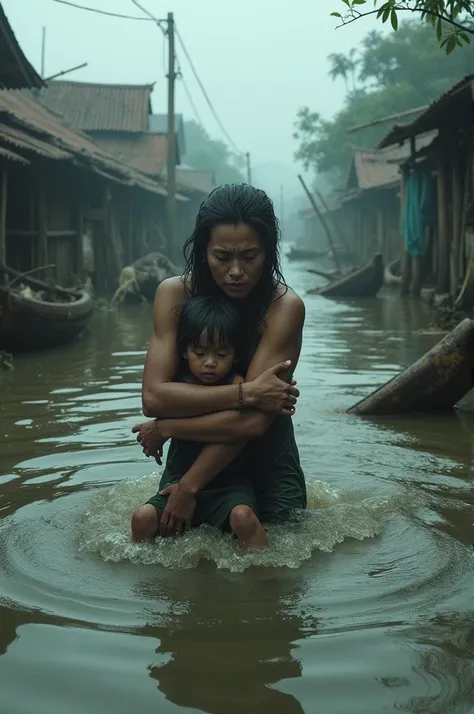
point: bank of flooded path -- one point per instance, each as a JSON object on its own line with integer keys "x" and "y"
{"x": 365, "y": 607}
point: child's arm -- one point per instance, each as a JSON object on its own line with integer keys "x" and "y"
{"x": 282, "y": 339}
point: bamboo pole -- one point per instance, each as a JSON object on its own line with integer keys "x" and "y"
{"x": 405, "y": 258}
{"x": 323, "y": 222}
{"x": 338, "y": 231}
{"x": 42, "y": 255}
{"x": 442, "y": 277}
{"x": 456, "y": 223}
{"x": 3, "y": 217}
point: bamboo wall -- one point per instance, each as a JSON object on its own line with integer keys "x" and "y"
{"x": 85, "y": 225}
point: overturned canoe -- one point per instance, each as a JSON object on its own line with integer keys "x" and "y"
{"x": 29, "y": 323}
{"x": 363, "y": 282}
{"x": 435, "y": 383}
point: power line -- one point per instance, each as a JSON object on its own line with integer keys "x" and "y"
{"x": 191, "y": 101}
{"x": 198, "y": 79}
{"x": 147, "y": 12}
{"x": 205, "y": 94}
{"x": 102, "y": 12}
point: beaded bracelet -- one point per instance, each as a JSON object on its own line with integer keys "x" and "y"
{"x": 241, "y": 397}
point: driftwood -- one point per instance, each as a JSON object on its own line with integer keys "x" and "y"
{"x": 30, "y": 272}
{"x": 139, "y": 281}
{"x": 435, "y": 383}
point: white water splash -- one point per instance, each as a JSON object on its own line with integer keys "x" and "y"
{"x": 331, "y": 518}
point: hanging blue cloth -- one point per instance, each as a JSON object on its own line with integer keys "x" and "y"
{"x": 419, "y": 210}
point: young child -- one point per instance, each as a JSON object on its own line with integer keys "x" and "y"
{"x": 210, "y": 339}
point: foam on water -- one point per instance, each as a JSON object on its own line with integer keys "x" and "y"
{"x": 332, "y": 517}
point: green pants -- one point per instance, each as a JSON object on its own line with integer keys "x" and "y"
{"x": 273, "y": 485}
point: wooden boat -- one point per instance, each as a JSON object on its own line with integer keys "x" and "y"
{"x": 29, "y": 322}
{"x": 435, "y": 383}
{"x": 392, "y": 273}
{"x": 305, "y": 254}
{"x": 363, "y": 282}
{"x": 328, "y": 274}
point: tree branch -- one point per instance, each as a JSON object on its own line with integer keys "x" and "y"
{"x": 356, "y": 15}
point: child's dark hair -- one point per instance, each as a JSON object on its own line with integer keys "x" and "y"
{"x": 214, "y": 316}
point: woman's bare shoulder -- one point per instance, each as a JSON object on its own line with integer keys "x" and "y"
{"x": 287, "y": 301}
{"x": 172, "y": 288}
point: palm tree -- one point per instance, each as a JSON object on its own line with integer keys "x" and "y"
{"x": 340, "y": 67}
{"x": 353, "y": 63}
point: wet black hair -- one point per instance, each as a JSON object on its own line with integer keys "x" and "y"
{"x": 232, "y": 204}
{"x": 214, "y": 316}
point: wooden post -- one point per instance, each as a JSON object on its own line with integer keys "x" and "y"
{"x": 381, "y": 232}
{"x": 171, "y": 143}
{"x": 405, "y": 258}
{"x": 336, "y": 226}
{"x": 442, "y": 271}
{"x": 3, "y": 218}
{"x": 416, "y": 270}
{"x": 323, "y": 222}
{"x": 42, "y": 209}
{"x": 456, "y": 223}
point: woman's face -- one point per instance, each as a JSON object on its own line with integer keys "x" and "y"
{"x": 235, "y": 256}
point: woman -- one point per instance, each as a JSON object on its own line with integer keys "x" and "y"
{"x": 233, "y": 251}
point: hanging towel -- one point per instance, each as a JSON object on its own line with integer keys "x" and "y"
{"x": 419, "y": 210}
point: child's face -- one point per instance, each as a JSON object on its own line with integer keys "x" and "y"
{"x": 208, "y": 363}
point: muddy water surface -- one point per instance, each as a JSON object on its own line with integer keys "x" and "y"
{"x": 366, "y": 608}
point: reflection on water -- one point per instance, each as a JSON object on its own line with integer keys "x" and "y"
{"x": 365, "y": 606}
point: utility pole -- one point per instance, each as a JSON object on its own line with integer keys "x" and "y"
{"x": 171, "y": 151}
{"x": 249, "y": 170}
{"x": 43, "y": 52}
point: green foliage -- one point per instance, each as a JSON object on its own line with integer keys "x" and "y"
{"x": 210, "y": 155}
{"x": 452, "y": 20}
{"x": 394, "y": 73}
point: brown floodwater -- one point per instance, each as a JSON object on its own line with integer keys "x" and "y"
{"x": 365, "y": 607}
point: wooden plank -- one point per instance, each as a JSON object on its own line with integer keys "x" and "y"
{"x": 457, "y": 204}
{"x": 442, "y": 277}
{"x": 42, "y": 223}
{"x": 3, "y": 217}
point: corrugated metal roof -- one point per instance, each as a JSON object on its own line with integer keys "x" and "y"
{"x": 145, "y": 152}
{"x": 30, "y": 126}
{"x": 15, "y": 70}
{"x": 379, "y": 168}
{"x": 11, "y": 156}
{"x": 100, "y": 107}
{"x": 21, "y": 139}
{"x": 435, "y": 114}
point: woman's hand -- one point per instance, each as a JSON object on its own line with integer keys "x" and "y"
{"x": 150, "y": 438}
{"x": 270, "y": 393}
{"x": 178, "y": 514}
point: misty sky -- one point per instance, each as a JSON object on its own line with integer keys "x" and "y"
{"x": 259, "y": 60}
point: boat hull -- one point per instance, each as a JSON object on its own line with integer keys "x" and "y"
{"x": 27, "y": 324}
{"x": 435, "y": 383}
{"x": 364, "y": 282}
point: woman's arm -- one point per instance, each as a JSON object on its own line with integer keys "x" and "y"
{"x": 162, "y": 397}
{"x": 282, "y": 339}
